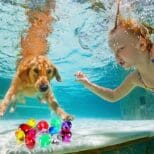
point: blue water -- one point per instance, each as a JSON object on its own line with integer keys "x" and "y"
{"x": 78, "y": 42}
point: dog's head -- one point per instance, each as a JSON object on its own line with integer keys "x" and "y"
{"x": 38, "y": 71}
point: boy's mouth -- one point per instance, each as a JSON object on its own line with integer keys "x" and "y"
{"x": 125, "y": 65}
{"x": 121, "y": 63}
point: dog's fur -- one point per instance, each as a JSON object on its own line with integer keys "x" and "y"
{"x": 34, "y": 70}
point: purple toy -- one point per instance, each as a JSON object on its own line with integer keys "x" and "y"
{"x": 66, "y": 126}
{"x": 66, "y": 131}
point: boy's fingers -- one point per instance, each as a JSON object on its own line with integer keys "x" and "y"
{"x": 78, "y": 75}
{"x": 79, "y": 72}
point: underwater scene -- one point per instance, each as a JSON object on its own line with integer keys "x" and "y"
{"x": 56, "y": 39}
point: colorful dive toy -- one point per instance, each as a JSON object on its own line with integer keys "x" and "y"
{"x": 66, "y": 131}
{"x": 44, "y": 133}
{"x": 42, "y": 126}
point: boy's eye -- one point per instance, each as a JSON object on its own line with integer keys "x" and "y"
{"x": 120, "y": 49}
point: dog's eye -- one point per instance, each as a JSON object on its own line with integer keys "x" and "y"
{"x": 36, "y": 70}
{"x": 49, "y": 71}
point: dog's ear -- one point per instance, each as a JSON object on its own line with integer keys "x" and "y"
{"x": 23, "y": 71}
{"x": 57, "y": 75}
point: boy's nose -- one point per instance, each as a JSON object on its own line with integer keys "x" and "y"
{"x": 117, "y": 58}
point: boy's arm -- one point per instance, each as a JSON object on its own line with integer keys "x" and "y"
{"x": 116, "y": 94}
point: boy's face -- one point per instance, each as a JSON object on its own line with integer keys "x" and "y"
{"x": 125, "y": 46}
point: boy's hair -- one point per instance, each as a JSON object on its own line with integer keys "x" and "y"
{"x": 141, "y": 30}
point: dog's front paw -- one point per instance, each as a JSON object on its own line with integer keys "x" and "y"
{"x": 1, "y": 113}
{"x": 12, "y": 109}
{"x": 67, "y": 117}
{"x": 2, "y": 109}
{"x": 43, "y": 101}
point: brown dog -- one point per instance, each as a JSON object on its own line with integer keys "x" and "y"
{"x": 34, "y": 70}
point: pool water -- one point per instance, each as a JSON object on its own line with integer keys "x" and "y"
{"x": 79, "y": 42}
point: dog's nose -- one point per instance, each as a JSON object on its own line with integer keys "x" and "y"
{"x": 43, "y": 87}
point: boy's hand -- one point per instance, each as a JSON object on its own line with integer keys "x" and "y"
{"x": 81, "y": 77}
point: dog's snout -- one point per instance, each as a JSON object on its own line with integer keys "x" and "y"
{"x": 43, "y": 87}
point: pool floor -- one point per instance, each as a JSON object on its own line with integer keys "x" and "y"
{"x": 88, "y": 136}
